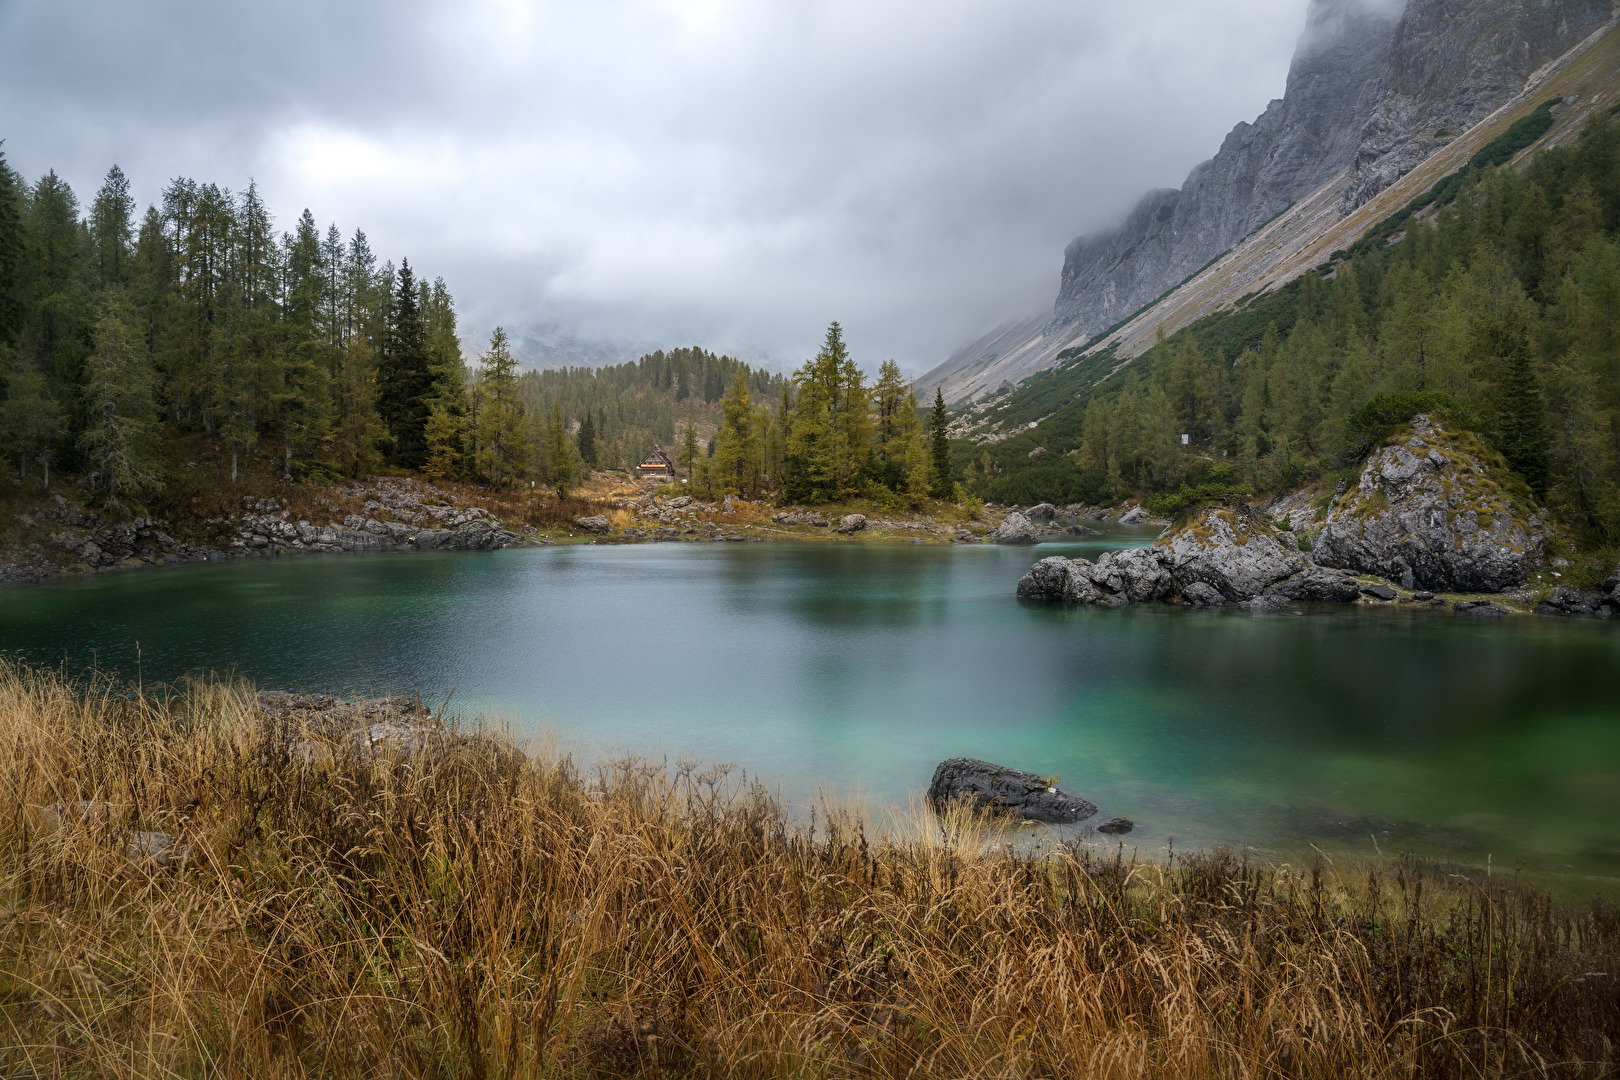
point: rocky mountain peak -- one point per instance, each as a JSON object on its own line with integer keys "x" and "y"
{"x": 1375, "y": 88}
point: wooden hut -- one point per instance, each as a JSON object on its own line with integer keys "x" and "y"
{"x": 657, "y": 466}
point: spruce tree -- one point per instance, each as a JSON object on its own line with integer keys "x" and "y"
{"x": 112, "y": 228}
{"x": 1521, "y": 431}
{"x": 587, "y": 439}
{"x": 940, "y": 448}
{"x": 737, "y": 466}
{"x": 559, "y": 453}
{"x": 404, "y": 379}
{"x": 11, "y": 246}
{"x": 120, "y": 416}
{"x": 500, "y": 414}
{"x": 31, "y": 419}
{"x": 690, "y": 452}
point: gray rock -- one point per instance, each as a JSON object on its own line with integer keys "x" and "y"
{"x": 1588, "y": 603}
{"x": 996, "y": 788}
{"x": 595, "y": 523}
{"x": 800, "y": 517}
{"x": 1379, "y": 592}
{"x": 1079, "y": 530}
{"x": 1049, "y": 579}
{"x": 1440, "y": 519}
{"x": 1238, "y": 556}
{"x": 1043, "y": 512}
{"x": 1136, "y": 515}
{"x": 1314, "y": 585}
{"x": 1136, "y": 575}
{"x": 850, "y": 524}
{"x": 1116, "y": 826}
{"x": 1200, "y": 594}
{"x": 1016, "y": 529}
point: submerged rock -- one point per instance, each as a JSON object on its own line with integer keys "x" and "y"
{"x": 1016, "y": 529}
{"x": 1436, "y": 509}
{"x": 987, "y": 786}
{"x": 1116, "y": 826}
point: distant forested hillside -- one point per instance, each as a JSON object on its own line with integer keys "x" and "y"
{"x": 126, "y": 338}
{"x": 636, "y": 406}
{"x": 1495, "y": 297}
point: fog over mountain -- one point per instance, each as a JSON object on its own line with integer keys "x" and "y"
{"x": 631, "y": 172}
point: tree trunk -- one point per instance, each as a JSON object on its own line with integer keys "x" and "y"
{"x": 233, "y": 463}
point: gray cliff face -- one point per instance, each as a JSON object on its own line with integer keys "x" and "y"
{"x": 1292, "y": 149}
{"x": 1370, "y": 96}
{"x": 1453, "y": 63}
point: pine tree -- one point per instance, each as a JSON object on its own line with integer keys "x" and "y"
{"x": 31, "y": 419}
{"x": 940, "y": 448}
{"x": 120, "y": 415}
{"x": 1521, "y": 431}
{"x": 828, "y": 441}
{"x": 690, "y": 452}
{"x": 500, "y": 415}
{"x": 587, "y": 440}
{"x": 404, "y": 377}
{"x": 559, "y": 453}
{"x": 112, "y": 228}
{"x": 737, "y": 467}
{"x": 11, "y": 246}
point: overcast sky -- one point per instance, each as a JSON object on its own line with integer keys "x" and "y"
{"x": 734, "y": 173}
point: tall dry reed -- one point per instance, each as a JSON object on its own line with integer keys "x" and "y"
{"x": 468, "y": 910}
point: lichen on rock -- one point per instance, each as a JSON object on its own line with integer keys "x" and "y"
{"x": 1436, "y": 509}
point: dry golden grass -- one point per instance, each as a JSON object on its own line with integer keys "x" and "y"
{"x": 473, "y": 911}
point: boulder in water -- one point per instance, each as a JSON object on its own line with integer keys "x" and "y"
{"x": 1016, "y": 529}
{"x": 983, "y": 785}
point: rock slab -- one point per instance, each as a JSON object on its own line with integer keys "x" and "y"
{"x": 984, "y": 785}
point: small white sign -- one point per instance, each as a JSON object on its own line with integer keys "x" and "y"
{"x": 1184, "y": 439}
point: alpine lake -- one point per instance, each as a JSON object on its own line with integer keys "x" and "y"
{"x": 854, "y": 668}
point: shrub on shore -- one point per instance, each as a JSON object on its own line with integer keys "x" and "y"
{"x": 463, "y": 908}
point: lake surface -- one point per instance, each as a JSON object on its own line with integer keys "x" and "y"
{"x": 860, "y": 667}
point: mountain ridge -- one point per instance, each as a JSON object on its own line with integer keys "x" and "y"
{"x": 1368, "y": 100}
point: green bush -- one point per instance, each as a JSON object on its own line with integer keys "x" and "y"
{"x": 1176, "y": 504}
{"x": 1370, "y": 424}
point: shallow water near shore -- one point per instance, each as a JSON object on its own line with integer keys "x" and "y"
{"x": 859, "y": 667}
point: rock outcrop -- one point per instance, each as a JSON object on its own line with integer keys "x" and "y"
{"x": 1014, "y": 529}
{"x": 850, "y": 524}
{"x": 1219, "y": 556}
{"x": 982, "y": 785}
{"x": 1435, "y": 509}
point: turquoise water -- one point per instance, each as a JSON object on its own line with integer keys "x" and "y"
{"x": 859, "y": 667}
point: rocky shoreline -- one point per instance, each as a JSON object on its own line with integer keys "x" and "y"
{"x": 1434, "y": 512}
{"x": 398, "y": 515}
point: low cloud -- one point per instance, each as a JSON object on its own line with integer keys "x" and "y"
{"x": 666, "y": 171}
